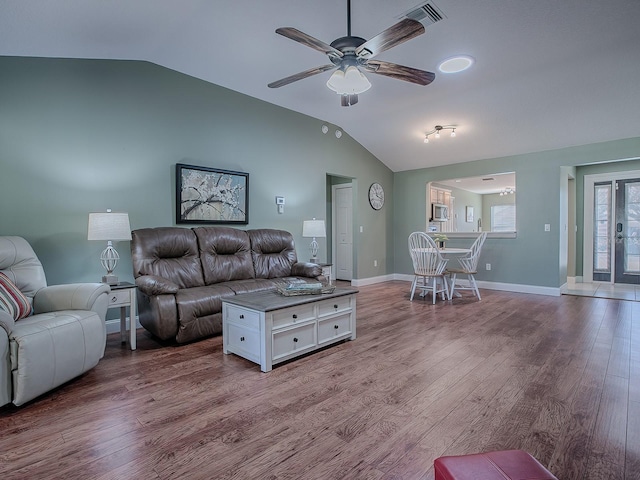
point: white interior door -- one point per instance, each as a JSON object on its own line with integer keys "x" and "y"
{"x": 343, "y": 231}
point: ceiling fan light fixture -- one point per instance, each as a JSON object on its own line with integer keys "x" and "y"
{"x": 453, "y": 132}
{"x": 456, "y": 64}
{"x": 348, "y": 82}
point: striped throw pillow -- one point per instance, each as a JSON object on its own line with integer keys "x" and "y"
{"x": 13, "y": 300}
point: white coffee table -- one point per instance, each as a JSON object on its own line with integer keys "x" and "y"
{"x": 268, "y": 328}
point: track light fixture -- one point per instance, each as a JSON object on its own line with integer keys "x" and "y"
{"x": 437, "y": 129}
{"x": 507, "y": 191}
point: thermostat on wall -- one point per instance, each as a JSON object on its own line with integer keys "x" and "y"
{"x": 279, "y": 200}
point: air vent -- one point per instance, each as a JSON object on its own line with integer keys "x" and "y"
{"x": 488, "y": 179}
{"x": 428, "y": 14}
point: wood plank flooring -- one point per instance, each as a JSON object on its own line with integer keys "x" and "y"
{"x": 556, "y": 376}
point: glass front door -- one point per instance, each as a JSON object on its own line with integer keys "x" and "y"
{"x": 627, "y": 231}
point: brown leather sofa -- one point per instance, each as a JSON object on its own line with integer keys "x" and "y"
{"x": 183, "y": 274}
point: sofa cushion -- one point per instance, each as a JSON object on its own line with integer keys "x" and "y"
{"x": 273, "y": 252}
{"x": 225, "y": 254}
{"x": 12, "y": 300}
{"x": 168, "y": 252}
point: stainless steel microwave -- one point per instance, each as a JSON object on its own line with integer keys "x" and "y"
{"x": 439, "y": 212}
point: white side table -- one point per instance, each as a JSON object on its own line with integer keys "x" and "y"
{"x": 123, "y": 295}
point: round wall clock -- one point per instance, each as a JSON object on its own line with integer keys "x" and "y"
{"x": 376, "y": 196}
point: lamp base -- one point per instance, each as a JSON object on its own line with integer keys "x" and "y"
{"x": 110, "y": 279}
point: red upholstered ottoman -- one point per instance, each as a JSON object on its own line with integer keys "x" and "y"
{"x": 503, "y": 465}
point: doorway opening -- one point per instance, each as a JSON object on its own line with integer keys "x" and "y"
{"x": 340, "y": 211}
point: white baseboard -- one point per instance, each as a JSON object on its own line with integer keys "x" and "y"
{"x": 360, "y": 282}
{"x": 113, "y": 325}
{"x": 507, "y": 287}
{"x": 520, "y": 288}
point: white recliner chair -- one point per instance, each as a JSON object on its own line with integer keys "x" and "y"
{"x": 65, "y": 336}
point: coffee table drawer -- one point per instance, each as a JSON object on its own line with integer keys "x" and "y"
{"x": 333, "y": 328}
{"x": 293, "y": 341}
{"x": 244, "y": 341}
{"x": 292, "y": 316}
{"x": 243, "y": 316}
{"x": 335, "y": 305}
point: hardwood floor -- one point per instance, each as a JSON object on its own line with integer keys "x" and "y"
{"x": 556, "y": 376}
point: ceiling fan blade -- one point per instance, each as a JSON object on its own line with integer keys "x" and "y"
{"x": 392, "y": 36}
{"x": 301, "y": 37}
{"x": 400, "y": 72}
{"x": 299, "y": 76}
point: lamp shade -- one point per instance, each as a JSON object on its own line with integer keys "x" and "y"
{"x": 109, "y": 226}
{"x": 313, "y": 228}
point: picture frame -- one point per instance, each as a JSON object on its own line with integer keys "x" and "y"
{"x": 207, "y": 195}
{"x": 469, "y": 214}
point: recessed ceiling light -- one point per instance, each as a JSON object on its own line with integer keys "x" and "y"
{"x": 456, "y": 64}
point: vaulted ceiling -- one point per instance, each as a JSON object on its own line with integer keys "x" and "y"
{"x": 547, "y": 73}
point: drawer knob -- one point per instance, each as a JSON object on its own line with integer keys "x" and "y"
{"x": 295, "y": 339}
{"x": 336, "y": 327}
{"x": 295, "y": 316}
{"x": 335, "y": 306}
{"x": 242, "y": 339}
{"x": 114, "y": 299}
{"x": 241, "y": 316}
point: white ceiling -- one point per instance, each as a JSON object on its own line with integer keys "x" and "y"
{"x": 548, "y": 73}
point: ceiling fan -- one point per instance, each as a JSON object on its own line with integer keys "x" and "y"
{"x": 350, "y": 55}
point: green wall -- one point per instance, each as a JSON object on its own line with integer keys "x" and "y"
{"x": 533, "y": 257}
{"x": 78, "y": 136}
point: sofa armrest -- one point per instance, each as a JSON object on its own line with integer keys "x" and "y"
{"x": 6, "y": 322}
{"x": 306, "y": 269}
{"x": 73, "y": 296}
{"x": 152, "y": 285}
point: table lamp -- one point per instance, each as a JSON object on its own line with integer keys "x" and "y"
{"x": 112, "y": 227}
{"x": 312, "y": 229}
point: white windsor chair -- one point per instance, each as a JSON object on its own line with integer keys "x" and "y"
{"x": 428, "y": 265}
{"x": 468, "y": 267}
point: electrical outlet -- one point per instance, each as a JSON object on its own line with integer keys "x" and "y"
{"x": 488, "y": 266}
{"x": 547, "y": 227}
{"x": 361, "y": 229}
{"x": 375, "y": 263}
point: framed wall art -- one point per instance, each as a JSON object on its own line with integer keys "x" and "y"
{"x": 469, "y": 213}
{"x": 211, "y": 195}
